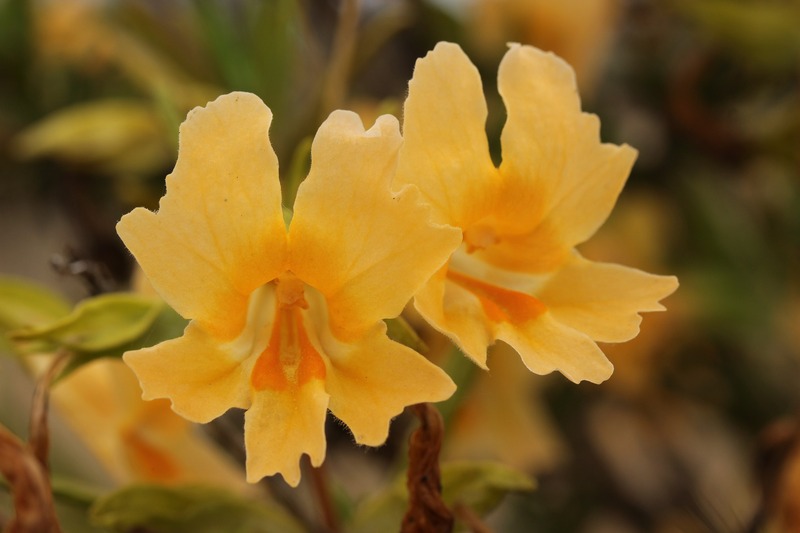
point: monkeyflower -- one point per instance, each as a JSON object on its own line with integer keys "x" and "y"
{"x": 137, "y": 440}
{"x": 287, "y": 322}
{"x": 516, "y": 276}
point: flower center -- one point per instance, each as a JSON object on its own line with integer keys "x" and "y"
{"x": 479, "y": 237}
{"x": 290, "y": 358}
{"x": 500, "y": 304}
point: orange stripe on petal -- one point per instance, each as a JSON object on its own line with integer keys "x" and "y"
{"x": 500, "y": 304}
{"x": 150, "y": 461}
{"x": 289, "y": 359}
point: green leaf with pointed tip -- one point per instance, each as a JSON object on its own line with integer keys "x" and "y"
{"x": 481, "y": 485}
{"x": 23, "y": 303}
{"x": 98, "y": 324}
{"x": 168, "y": 324}
{"x": 191, "y": 508}
{"x": 399, "y": 330}
{"x": 478, "y": 485}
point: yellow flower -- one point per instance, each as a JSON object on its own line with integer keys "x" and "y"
{"x": 580, "y": 31}
{"x": 503, "y": 417}
{"x": 287, "y": 323}
{"x": 517, "y": 276}
{"x": 136, "y": 440}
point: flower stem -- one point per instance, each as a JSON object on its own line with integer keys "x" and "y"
{"x": 39, "y": 438}
{"x": 25, "y": 466}
{"x": 427, "y": 512}
{"x": 337, "y": 75}
{"x": 322, "y": 492}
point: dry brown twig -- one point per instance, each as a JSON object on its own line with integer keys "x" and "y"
{"x": 427, "y": 512}
{"x": 25, "y": 466}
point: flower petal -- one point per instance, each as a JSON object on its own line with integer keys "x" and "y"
{"x": 555, "y": 171}
{"x": 476, "y": 312}
{"x": 200, "y": 378}
{"x": 457, "y": 313}
{"x": 545, "y": 345}
{"x": 219, "y": 231}
{"x": 364, "y": 248}
{"x": 445, "y": 151}
{"x": 373, "y": 380}
{"x": 604, "y": 300}
{"x": 283, "y": 425}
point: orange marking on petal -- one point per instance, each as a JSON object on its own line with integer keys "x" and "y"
{"x": 149, "y": 460}
{"x": 290, "y": 358}
{"x": 268, "y": 370}
{"x": 500, "y": 304}
{"x": 311, "y": 364}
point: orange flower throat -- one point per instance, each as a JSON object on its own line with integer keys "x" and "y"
{"x": 290, "y": 359}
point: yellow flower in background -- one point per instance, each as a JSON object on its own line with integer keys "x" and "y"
{"x": 503, "y": 417}
{"x": 517, "y": 276}
{"x": 580, "y": 31}
{"x": 138, "y": 441}
{"x": 287, "y": 323}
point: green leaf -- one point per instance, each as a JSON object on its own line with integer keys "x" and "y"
{"x": 167, "y": 325}
{"x": 26, "y": 304}
{"x": 399, "y": 330}
{"x": 479, "y": 485}
{"x": 99, "y": 324}
{"x": 482, "y": 485}
{"x": 298, "y": 169}
{"x": 464, "y": 373}
{"x": 190, "y": 508}
{"x": 764, "y": 32}
{"x": 71, "y": 501}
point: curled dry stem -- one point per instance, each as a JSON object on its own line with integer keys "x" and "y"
{"x": 33, "y": 501}
{"x": 39, "y": 438}
{"x": 427, "y": 512}
{"x": 25, "y": 466}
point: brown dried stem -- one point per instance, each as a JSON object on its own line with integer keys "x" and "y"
{"x": 427, "y": 512}
{"x": 25, "y": 466}
{"x": 39, "y": 436}
{"x": 33, "y": 500}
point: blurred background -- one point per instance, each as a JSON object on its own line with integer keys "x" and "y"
{"x": 697, "y": 430}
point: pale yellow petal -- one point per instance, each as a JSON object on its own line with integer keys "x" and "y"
{"x": 540, "y": 251}
{"x": 476, "y": 311}
{"x": 545, "y": 345}
{"x": 283, "y": 425}
{"x": 445, "y": 151}
{"x": 372, "y": 380}
{"x": 457, "y": 313}
{"x": 200, "y": 378}
{"x": 604, "y": 300}
{"x": 556, "y": 172}
{"x": 504, "y": 417}
{"x": 219, "y": 231}
{"x": 366, "y": 249}
{"x": 154, "y": 457}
